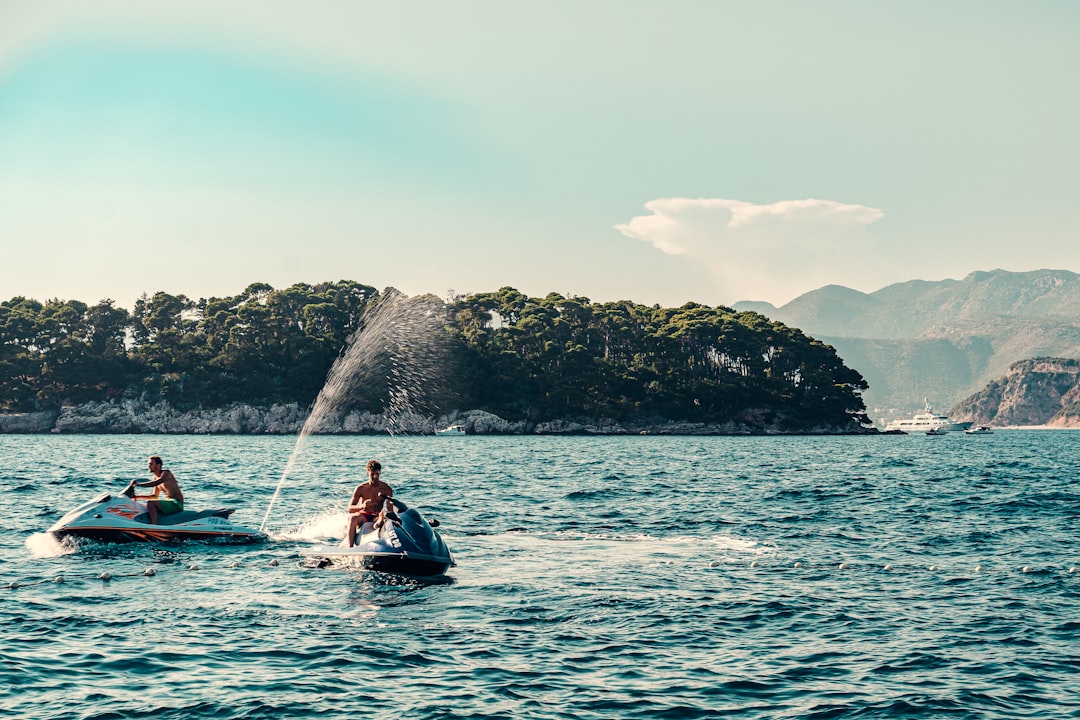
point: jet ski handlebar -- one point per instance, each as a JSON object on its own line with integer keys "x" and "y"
{"x": 402, "y": 507}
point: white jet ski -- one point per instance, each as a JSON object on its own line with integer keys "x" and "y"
{"x": 405, "y": 544}
{"x": 121, "y": 518}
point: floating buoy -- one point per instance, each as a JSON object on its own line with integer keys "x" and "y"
{"x": 714, "y": 563}
{"x": 933, "y": 568}
{"x": 193, "y": 567}
{"x": 12, "y": 585}
{"x": 798, "y": 565}
{"x": 149, "y": 572}
{"x": 888, "y": 566}
{"x": 1072, "y": 569}
{"x": 105, "y": 576}
{"x": 274, "y": 562}
{"x": 234, "y": 564}
{"x": 978, "y": 568}
{"x": 58, "y": 578}
{"x": 1026, "y": 569}
{"x": 753, "y": 563}
{"x": 843, "y": 566}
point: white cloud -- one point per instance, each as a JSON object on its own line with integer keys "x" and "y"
{"x": 772, "y": 252}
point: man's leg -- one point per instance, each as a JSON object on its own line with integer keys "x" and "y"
{"x": 354, "y": 522}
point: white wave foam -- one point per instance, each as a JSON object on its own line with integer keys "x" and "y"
{"x": 330, "y": 524}
{"x": 619, "y": 548}
{"x": 45, "y": 545}
{"x": 688, "y": 542}
{"x": 740, "y": 545}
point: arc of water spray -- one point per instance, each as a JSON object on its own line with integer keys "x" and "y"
{"x": 410, "y": 332}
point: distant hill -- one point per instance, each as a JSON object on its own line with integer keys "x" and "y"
{"x": 1041, "y": 391}
{"x": 941, "y": 340}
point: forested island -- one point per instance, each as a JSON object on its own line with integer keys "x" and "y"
{"x": 501, "y": 361}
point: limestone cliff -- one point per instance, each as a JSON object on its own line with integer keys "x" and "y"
{"x": 1041, "y": 391}
{"x": 33, "y": 422}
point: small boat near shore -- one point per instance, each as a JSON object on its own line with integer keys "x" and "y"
{"x": 979, "y": 430}
{"x": 451, "y": 431}
{"x": 927, "y": 420}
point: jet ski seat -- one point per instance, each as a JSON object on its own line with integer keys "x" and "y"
{"x": 185, "y": 516}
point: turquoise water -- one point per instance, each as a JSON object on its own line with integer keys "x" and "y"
{"x": 629, "y": 577}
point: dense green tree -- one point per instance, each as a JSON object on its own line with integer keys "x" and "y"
{"x": 517, "y": 356}
{"x": 21, "y": 354}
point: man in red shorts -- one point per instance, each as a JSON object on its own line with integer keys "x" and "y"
{"x": 367, "y": 501}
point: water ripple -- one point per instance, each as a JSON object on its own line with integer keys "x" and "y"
{"x": 637, "y": 577}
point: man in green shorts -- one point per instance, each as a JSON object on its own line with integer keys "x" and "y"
{"x": 173, "y": 500}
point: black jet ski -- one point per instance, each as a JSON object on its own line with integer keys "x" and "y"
{"x": 405, "y": 544}
{"x": 122, "y": 518}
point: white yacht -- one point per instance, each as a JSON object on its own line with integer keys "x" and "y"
{"x": 927, "y": 420}
{"x": 979, "y": 430}
{"x": 451, "y": 430}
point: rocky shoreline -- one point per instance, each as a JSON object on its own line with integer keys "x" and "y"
{"x": 142, "y": 417}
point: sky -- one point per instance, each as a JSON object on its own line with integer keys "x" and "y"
{"x": 660, "y": 152}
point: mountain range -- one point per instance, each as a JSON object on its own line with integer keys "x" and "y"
{"x": 939, "y": 341}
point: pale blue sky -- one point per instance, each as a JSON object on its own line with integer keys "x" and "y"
{"x": 653, "y": 151}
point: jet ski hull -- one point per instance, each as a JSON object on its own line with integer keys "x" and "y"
{"x": 392, "y": 563}
{"x": 120, "y": 519}
{"x": 117, "y": 535}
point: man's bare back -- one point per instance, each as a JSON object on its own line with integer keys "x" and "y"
{"x": 169, "y": 485}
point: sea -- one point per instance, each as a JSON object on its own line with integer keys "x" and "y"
{"x": 596, "y": 577}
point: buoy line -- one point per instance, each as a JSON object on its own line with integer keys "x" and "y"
{"x": 108, "y": 576}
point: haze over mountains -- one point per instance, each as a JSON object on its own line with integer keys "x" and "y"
{"x": 939, "y": 340}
